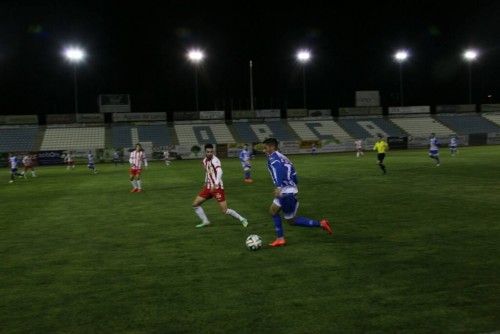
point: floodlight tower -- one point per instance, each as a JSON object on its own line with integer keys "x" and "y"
{"x": 469, "y": 56}
{"x": 196, "y": 56}
{"x": 74, "y": 55}
{"x": 303, "y": 57}
{"x": 401, "y": 56}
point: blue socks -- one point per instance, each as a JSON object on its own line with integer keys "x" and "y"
{"x": 278, "y": 226}
{"x": 306, "y": 222}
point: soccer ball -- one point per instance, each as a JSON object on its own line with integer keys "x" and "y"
{"x": 254, "y": 242}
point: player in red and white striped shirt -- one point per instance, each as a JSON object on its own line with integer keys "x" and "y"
{"x": 137, "y": 160}
{"x": 213, "y": 187}
{"x": 28, "y": 165}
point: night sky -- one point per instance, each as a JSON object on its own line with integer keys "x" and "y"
{"x": 141, "y": 49}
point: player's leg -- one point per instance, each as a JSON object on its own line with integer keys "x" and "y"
{"x": 231, "y": 212}
{"x": 133, "y": 181}
{"x": 247, "y": 172}
{"x": 198, "y": 201}
{"x": 138, "y": 181}
{"x": 290, "y": 206}
{"x": 381, "y": 157}
{"x": 274, "y": 210}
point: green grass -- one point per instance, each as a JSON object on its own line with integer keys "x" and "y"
{"x": 416, "y": 250}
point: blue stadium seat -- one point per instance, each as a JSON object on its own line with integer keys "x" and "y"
{"x": 20, "y": 139}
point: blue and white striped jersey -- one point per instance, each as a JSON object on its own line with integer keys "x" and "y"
{"x": 13, "y": 162}
{"x": 434, "y": 144}
{"x": 244, "y": 155}
{"x": 283, "y": 173}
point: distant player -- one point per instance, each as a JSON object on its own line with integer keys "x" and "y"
{"x": 137, "y": 160}
{"x": 313, "y": 149}
{"x": 381, "y": 147}
{"x": 213, "y": 187}
{"x": 245, "y": 163}
{"x": 166, "y": 157}
{"x": 359, "y": 148}
{"x": 91, "y": 162}
{"x": 285, "y": 194}
{"x": 453, "y": 145}
{"x": 69, "y": 160}
{"x": 434, "y": 149}
{"x": 13, "y": 167}
{"x": 116, "y": 158}
{"x": 28, "y": 165}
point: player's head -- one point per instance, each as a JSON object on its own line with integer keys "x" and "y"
{"x": 380, "y": 137}
{"x": 209, "y": 151}
{"x": 245, "y": 147}
{"x": 138, "y": 147}
{"x": 270, "y": 145}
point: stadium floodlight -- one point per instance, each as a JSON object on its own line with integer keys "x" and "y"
{"x": 196, "y": 56}
{"x": 401, "y": 56}
{"x": 74, "y": 55}
{"x": 470, "y": 55}
{"x": 303, "y": 57}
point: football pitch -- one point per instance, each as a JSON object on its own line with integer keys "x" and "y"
{"x": 416, "y": 250}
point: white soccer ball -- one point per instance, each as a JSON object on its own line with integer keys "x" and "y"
{"x": 254, "y": 242}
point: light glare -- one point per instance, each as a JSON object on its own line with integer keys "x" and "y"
{"x": 74, "y": 54}
{"x": 196, "y": 55}
{"x": 303, "y": 56}
{"x": 470, "y": 55}
{"x": 401, "y": 56}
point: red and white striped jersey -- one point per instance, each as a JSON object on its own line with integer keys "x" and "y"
{"x": 213, "y": 175}
{"x": 27, "y": 161}
{"x": 137, "y": 159}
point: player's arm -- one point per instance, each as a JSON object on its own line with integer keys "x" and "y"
{"x": 278, "y": 175}
{"x": 131, "y": 159}
{"x": 218, "y": 173}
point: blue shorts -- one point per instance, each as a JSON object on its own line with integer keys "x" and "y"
{"x": 433, "y": 153}
{"x": 91, "y": 166}
{"x": 288, "y": 204}
{"x": 13, "y": 170}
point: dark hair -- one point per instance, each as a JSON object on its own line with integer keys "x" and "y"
{"x": 271, "y": 141}
{"x": 209, "y": 146}
{"x": 380, "y": 135}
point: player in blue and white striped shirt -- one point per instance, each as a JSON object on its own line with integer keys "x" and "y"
{"x": 13, "y": 167}
{"x": 453, "y": 145}
{"x": 285, "y": 180}
{"x": 434, "y": 149}
{"x": 245, "y": 163}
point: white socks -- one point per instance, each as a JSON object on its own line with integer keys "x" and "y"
{"x": 234, "y": 214}
{"x": 134, "y": 183}
{"x": 139, "y": 184}
{"x": 201, "y": 213}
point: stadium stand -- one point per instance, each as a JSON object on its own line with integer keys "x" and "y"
{"x": 157, "y": 134}
{"x": 467, "y": 124}
{"x": 218, "y": 133}
{"x": 18, "y": 139}
{"x": 370, "y": 127}
{"x": 421, "y": 126}
{"x": 245, "y": 132}
{"x": 320, "y": 129}
{"x": 73, "y": 138}
{"x": 122, "y": 136}
{"x": 495, "y": 118}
